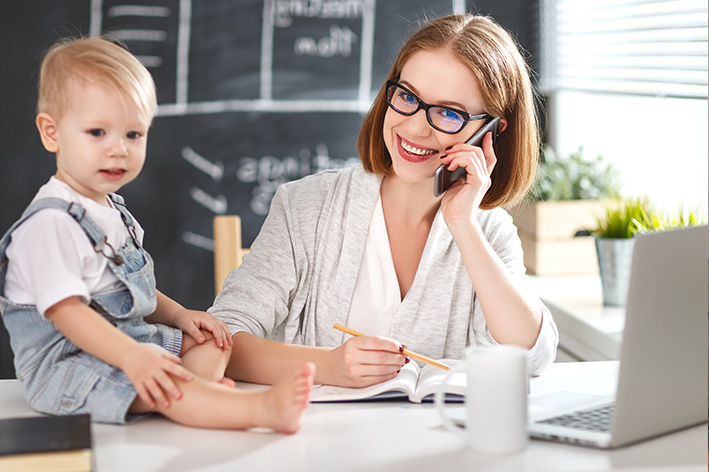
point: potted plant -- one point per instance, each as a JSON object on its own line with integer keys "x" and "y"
{"x": 614, "y": 235}
{"x": 567, "y": 195}
{"x": 614, "y": 232}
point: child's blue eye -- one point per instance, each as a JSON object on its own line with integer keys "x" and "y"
{"x": 96, "y": 132}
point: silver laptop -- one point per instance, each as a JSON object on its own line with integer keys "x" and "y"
{"x": 662, "y": 381}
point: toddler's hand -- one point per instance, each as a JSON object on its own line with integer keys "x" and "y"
{"x": 150, "y": 369}
{"x": 191, "y": 321}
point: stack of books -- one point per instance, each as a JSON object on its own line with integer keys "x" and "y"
{"x": 46, "y": 443}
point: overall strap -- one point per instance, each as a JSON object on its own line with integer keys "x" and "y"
{"x": 77, "y": 211}
{"x": 120, "y": 205}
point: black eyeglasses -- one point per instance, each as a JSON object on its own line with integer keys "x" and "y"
{"x": 446, "y": 119}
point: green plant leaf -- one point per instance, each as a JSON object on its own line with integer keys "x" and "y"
{"x": 573, "y": 178}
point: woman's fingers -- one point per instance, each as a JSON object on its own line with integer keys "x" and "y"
{"x": 369, "y": 360}
{"x": 482, "y": 159}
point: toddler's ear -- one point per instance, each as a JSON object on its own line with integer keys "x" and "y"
{"x": 47, "y": 131}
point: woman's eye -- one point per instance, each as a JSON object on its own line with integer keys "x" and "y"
{"x": 449, "y": 114}
{"x": 408, "y": 98}
{"x": 96, "y": 132}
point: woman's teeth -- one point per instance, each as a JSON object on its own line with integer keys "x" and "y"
{"x": 414, "y": 150}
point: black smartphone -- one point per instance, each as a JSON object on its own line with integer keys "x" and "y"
{"x": 444, "y": 178}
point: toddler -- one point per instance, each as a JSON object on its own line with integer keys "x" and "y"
{"x": 89, "y": 330}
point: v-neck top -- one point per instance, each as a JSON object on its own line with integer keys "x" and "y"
{"x": 300, "y": 275}
{"x": 377, "y": 295}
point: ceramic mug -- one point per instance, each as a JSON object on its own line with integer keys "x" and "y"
{"x": 496, "y": 399}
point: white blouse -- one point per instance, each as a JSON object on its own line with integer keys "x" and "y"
{"x": 376, "y": 295}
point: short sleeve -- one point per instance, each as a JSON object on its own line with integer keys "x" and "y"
{"x": 47, "y": 259}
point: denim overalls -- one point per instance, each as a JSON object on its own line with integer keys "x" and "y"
{"x": 57, "y": 377}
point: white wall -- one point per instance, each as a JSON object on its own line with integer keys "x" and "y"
{"x": 659, "y": 145}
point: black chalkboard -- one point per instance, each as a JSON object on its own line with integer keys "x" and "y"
{"x": 252, "y": 93}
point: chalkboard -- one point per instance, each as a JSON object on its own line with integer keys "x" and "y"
{"x": 252, "y": 93}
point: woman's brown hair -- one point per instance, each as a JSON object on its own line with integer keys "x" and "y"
{"x": 504, "y": 81}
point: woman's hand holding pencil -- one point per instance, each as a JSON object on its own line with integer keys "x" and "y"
{"x": 362, "y": 361}
{"x": 402, "y": 349}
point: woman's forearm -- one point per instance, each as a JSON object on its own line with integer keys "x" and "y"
{"x": 511, "y": 316}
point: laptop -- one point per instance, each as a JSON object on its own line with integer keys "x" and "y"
{"x": 662, "y": 379}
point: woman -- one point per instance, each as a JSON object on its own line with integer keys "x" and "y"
{"x": 372, "y": 248}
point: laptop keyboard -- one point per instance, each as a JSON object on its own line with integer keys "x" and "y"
{"x": 595, "y": 419}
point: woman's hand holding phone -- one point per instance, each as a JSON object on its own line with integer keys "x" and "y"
{"x": 444, "y": 178}
{"x": 476, "y": 163}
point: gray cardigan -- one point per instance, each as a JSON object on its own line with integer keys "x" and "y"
{"x": 298, "y": 279}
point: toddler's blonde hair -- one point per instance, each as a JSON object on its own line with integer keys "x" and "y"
{"x": 93, "y": 59}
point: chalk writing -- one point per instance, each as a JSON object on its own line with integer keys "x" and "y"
{"x": 339, "y": 43}
{"x": 285, "y": 10}
{"x": 269, "y": 172}
{"x": 214, "y": 169}
{"x": 217, "y": 205}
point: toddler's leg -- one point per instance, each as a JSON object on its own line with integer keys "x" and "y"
{"x": 206, "y": 360}
{"x": 208, "y": 404}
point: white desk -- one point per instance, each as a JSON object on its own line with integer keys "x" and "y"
{"x": 588, "y": 330}
{"x": 382, "y": 436}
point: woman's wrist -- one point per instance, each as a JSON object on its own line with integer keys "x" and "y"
{"x": 326, "y": 366}
{"x": 464, "y": 230}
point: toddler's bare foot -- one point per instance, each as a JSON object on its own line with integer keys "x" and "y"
{"x": 283, "y": 405}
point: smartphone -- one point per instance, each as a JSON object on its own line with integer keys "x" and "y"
{"x": 444, "y": 178}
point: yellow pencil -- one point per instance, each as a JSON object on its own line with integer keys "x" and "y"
{"x": 405, "y": 352}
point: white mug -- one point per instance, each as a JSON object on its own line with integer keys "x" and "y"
{"x": 496, "y": 399}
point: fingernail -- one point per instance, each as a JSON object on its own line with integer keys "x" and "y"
{"x": 407, "y": 361}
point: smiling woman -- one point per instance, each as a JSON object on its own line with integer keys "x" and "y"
{"x": 406, "y": 131}
{"x": 372, "y": 248}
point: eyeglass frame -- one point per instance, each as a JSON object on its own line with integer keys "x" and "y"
{"x": 467, "y": 117}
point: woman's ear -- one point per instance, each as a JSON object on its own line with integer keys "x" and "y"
{"x": 47, "y": 131}
{"x": 503, "y": 124}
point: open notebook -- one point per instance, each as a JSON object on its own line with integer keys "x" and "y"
{"x": 417, "y": 383}
{"x": 662, "y": 382}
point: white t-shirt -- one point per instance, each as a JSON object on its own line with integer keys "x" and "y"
{"x": 376, "y": 295}
{"x": 51, "y": 258}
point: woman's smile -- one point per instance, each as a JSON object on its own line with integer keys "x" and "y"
{"x": 413, "y": 153}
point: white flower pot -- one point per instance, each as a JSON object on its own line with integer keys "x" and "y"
{"x": 614, "y": 258}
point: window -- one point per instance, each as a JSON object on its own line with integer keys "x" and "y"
{"x": 627, "y": 79}
{"x": 642, "y": 47}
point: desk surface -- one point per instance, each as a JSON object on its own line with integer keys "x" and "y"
{"x": 374, "y": 436}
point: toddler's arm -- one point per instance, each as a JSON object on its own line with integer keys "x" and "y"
{"x": 147, "y": 366}
{"x": 171, "y": 313}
